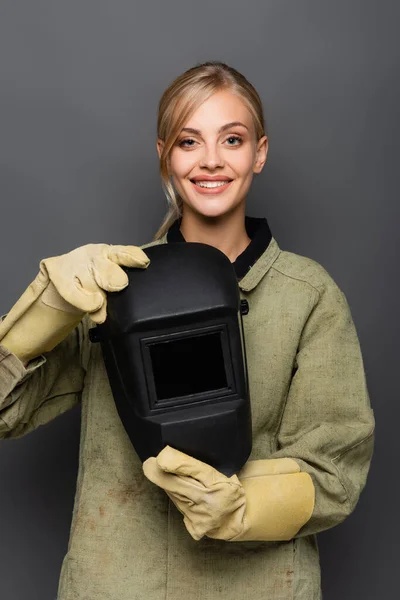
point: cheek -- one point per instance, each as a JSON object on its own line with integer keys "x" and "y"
{"x": 182, "y": 165}
{"x": 243, "y": 163}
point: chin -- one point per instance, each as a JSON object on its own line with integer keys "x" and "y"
{"x": 213, "y": 209}
{"x": 212, "y": 214}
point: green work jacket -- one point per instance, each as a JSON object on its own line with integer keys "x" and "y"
{"x": 309, "y": 402}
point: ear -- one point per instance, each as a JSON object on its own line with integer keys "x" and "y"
{"x": 261, "y": 154}
{"x": 160, "y": 146}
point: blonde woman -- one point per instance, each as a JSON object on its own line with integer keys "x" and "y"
{"x": 174, "y": 528}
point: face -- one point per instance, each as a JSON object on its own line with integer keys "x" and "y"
{"x": 217, "y": 143}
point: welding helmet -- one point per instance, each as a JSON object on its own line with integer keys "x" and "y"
{"x": 174, "y": 351}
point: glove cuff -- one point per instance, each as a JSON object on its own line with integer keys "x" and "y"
{"x": 32, "y": 326}
{"x": 277, "y": 506}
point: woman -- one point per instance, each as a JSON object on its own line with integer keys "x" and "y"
{"x": 197, "y": 534}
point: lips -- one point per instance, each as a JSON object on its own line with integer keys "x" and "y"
{"x": 207, "y": 191}
{"x": 208, "y": 178}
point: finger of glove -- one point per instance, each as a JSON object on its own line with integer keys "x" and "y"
{"x": 171, "y": 460}
{"x": 76, "y": 286}
{"x": 181, "y": 502}
{"x": 197, "y": 523}
{"x": 226, "y": 525}
{"x": 99, "y": 316}
{"x": 78, "y": 294}
{"x": 221, "y": 526}
{"x": 182, "y": 488}
{"x": 227, "y": 531}
{"x": 128, "y": 256}
{"x": 194, "y": 532}
{"x": 84, "y": 292}
{"x": 220, "y": 502}
{"x": 183, "y": 509}
{"x": 108, "y": 275}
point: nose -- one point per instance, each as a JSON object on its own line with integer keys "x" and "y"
{"x": 211, "y": 157}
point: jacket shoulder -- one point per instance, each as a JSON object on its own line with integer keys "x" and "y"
{"x": 304, "y": 269}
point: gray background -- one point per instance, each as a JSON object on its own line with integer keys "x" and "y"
{"x": 80, "y": 82}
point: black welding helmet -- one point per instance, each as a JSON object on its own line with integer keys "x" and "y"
{"x": 173, "y": 347}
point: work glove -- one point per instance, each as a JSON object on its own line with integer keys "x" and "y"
{"x": 66, "y": 287}
{"x": 269, "y": 499}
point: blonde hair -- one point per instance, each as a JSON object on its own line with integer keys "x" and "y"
{"x": 180, "y": 100}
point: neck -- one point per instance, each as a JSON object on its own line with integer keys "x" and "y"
{"x": 226, "y": 232}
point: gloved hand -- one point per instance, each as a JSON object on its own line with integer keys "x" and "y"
{"x": 66, "y": 287}
{"x": 269, "y": 500}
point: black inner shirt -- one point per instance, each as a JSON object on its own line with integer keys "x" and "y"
{"x": 257, "y": 229}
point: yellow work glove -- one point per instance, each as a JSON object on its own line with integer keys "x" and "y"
{"x": 66, "y": 287}
{"x": 269, "y": 500}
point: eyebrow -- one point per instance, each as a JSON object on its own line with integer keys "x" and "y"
{"x": 223, "y": 128}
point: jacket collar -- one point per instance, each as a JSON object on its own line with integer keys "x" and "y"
{"x": 254, "y": 262}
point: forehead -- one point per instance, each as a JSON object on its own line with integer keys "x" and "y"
{"x": 222, "y": 107}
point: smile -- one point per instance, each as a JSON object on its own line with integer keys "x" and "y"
{"x": 211, "y": 187}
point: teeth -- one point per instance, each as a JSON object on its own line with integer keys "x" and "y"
{"x": 211, "y": 184}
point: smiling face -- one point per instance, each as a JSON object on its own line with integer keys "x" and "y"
{"x": 217, "y": 143}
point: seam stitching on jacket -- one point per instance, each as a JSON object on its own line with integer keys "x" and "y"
{"x": 346, "y": 493}
{"x": 353, "y": 446}
{"x": 333, "y": 462}
{"x": 3, "y": 355}
{"x": 296, "y": 278}
{"x": 5, "y": 423}
{"x": 293, "y": 555}
{"x": 167, "y": 553}
{"x": 9, "y": 367}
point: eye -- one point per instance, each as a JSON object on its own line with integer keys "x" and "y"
{"x": 183, "y": 142}
{"x": 235, "y": 137}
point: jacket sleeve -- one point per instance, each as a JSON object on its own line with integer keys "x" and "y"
{"x": 328, "y": 423}
{"x": 48, "y": 386}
